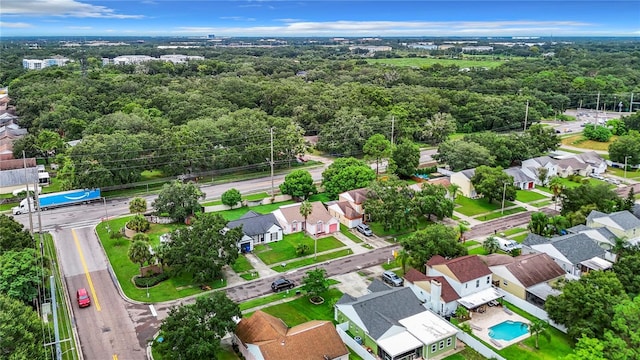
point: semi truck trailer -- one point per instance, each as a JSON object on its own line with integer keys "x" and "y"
{"x": 64, "y": 198}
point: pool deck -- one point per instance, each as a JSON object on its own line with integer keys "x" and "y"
{"x": 481, "y": 322}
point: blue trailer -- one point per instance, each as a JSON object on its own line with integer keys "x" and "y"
{"x": 64, "y": 198}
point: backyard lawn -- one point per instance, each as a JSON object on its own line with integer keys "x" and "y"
{"x": 174, "y": 288}
{"x": 235, "y": 214}
{"x": 527, "y": 196}
{"x": 472, "y": 207}
{"x": 284, "y": 250}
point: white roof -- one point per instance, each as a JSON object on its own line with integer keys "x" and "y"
{"x": 399, "y": 343}
{"x": 596, "y": 263}
{"x": 479, "y": 298}
{"x": 428, "y": 327}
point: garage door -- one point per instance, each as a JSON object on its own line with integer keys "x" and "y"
{"x": 333, "y": 228}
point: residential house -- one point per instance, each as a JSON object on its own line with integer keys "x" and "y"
{"x": 622, "y": 223}
{"x": 434, "y": 291}
{"x": 265, "y": 337}
{"x": 594, "y": 160}
{"x": 469, "y": 277}
{"x": 463, "y": 180}
{"x": 15, "y": 177}
{"x": 319, "y": 222}
{"x": 531, "y": 168}
{"x": 529, "y": 277}
{"x": 603, "y": 236}
{"x": 395, "y": 326}
{"x": 257, "y": 229}
{"x": 349, "y": 209}
{"x": 573, "y": 252}
{"x": 521, "y": 180}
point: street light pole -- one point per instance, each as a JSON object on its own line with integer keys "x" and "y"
{"x": 504, "y": 193}
{"x": 625, "y": 166}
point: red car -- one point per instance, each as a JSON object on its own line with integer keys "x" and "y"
{"x": 83, "y": 298}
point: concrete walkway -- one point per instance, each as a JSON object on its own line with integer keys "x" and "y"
{"x": 262, "y": 269}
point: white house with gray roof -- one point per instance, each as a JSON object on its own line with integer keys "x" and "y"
{"x": 572, "y": 252}
{"x": 257, "y": 229}
{"x": 394, "y": 324}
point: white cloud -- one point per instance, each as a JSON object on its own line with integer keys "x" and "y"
{"x": 403, "y": 28}
{"x": 14, "y": 25}
{"x": 67, "y": 8}
{"x": 237, "y": 18}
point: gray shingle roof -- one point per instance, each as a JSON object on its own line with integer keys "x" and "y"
{"x": 636, "y": 210}
{"x": 18, "y": 177}
{"x": 578, "y": 228}
{"x": 377, "y": 286}
{"x": 254, "y": 224}
{"x": 534, "y": 239}
{"x": 379, "y": 311}
{"x": 577, "y": 247}
{"x": 624, "y": 219}
{"x": 518, "y": 175}
{"x": 469, "y": 173}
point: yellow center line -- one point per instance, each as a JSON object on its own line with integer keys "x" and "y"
{"x": 115, "y": 356}
{"x": 86, "y": 270}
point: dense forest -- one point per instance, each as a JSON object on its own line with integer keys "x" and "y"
{"x": 217, "y": 113}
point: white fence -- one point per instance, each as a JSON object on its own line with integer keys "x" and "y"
{"x": 531, "y": 309}
{"x": 357, "y": 348}
{"x": 478, "y": 346}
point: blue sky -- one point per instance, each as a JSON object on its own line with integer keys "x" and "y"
{"x": 320, "y": 18}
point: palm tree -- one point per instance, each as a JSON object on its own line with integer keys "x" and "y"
{"x": 461, "y": 230}
{"x": 305, "y": 210}
{"x": 555, "y": 185}
{"x": 491, "y": 245}
{"x": 403, "y": 257}
{"x": 537, "y": 328}
{"x": 139, "y": 252}
{"x": 137, "y": 205}
{"x": 454, "y": 190}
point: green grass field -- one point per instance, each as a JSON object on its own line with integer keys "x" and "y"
{"x": 345, "y": 231}
{"x": 472, "y": 207}
{"x": 310, "y": 260}
{"x": 499, "y": 214}
{"x": 633, "y": 174}
{"x": 527, "y": 196}
{"x": 285, "y": 250}
{"x": 235, "y": 214}
{"x": 301, "y": 310}
{"x": 174, "y": 288}
{"x": 421, "y": 62}
{"x": 242, "y": 265}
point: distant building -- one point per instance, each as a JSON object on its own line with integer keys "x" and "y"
{"x": 36, "y": 64}
{"x": 179, "y": 59}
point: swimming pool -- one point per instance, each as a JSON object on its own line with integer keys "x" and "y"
{"x": 508, "y": 330}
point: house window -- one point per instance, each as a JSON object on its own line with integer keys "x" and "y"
{"x": 478, "y": 283}
{"x": 488, "y": 279}
{"x": 434, "y": 348}
{"x": 274, "y": 236}
{"x": 294, "y": 226}
{"x": 466, "y": 286}
{"x": 441, "y": 344}
{"x": 449, "y": 342}
{"x": 504, "y": 282}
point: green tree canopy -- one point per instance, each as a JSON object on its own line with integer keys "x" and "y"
{"x": 585, "y": 305}
{"x": 178, "y": 200}
{"x": 461, "y": 155}
{"x": 406, "y": 157}
{"x": 377, "y": 148}
{"x": 493, "y": 183}
{"x": 627, "y": 269}
{"x": 20, "y": 330}
{"x": 193, "y": 332}
{"x": 315, "y": 282}
{"x": 20, "y": 274}
{"x": 137, "y": 205}
{"x": 139, "y": 252}
{"x": 299, "y": 184}
{"x": 231, "y": 197}
{"x": 628, "y": 147}
{"x": 203, "y": 248}
{"x": 434, "y": 200}
{"x": 436, "y": 239}
{"x": 13, "y": 235}
{"x": 600, "y": 195}
{"x": 346, "y": 174}
{"x": 391, "y": 203}
{"x": 438, "y": 128}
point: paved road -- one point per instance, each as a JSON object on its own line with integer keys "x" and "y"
{"x": 503, "y": 223}
{"x": 105, "y": 328}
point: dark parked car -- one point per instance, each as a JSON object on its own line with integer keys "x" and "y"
{"x": 282, "y": 284}
{"x": 392, "y": 279}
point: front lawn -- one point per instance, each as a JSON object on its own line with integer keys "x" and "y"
{"x": 472, "y": 207}
{"x": 631, "y": 173}
{"x": 527, "y": 196}
{"x": 242, "y": 264}
{"x": 345, "y": 231}
{"x": 174, "y": 288}
{"x": 281, "y": 251}
{"x": 310, "y": 260}
{"x": 379, "y": 230}
{"x": 301, "y": 310}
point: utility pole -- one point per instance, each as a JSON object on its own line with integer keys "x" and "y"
{"x": 393, "y": 122}
{"x": 625, "y": 166}
{"x": 597, "y": 107}
{"x": 271, "y": 162}
{"x": 28, "y": 197}
{"x": 504, "y": 193}
{"x": 526, "y": 116}
{"x": 54, "y": 310}
{"x": 631, "y": 103}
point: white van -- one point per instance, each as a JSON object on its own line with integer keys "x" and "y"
{"x": 507, "y": 245}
